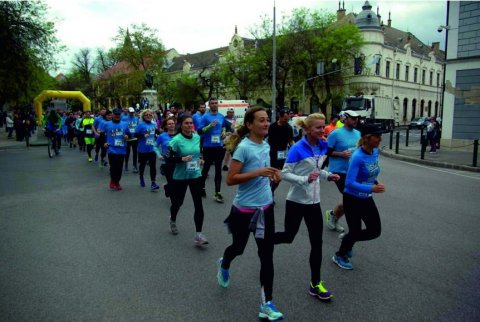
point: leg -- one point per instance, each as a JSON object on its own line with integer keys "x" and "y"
{"x": 315, "y": 228}
{"x": 293, "y": 218}
{"x": 219, "y": 155}
{"x": 196, "y": 192}
{"x": 265, "y": 253}
{"x": 180, "y": 188}
{"x": 134, "y": 153}
{"x": 353, "y": 214}
{"x": 127, "y": 155}
{"x": 238, "y": 224}
{"x": 142, "y": 159}
{"x": 152, "y": 163}
{"x": 208, "y": 160}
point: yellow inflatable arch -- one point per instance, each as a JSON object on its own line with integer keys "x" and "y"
{"x": 58, "y": 94}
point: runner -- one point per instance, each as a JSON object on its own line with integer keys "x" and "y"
{"x": 79, "y": 132}
{"x": 252, "y": 209}
{"x": 230, "y": 118}
{"x": 116, "y": 133}
{"x": 100, "y": 129}
{"x": 145, "y": 133}
{"x": 303, "y": 171}
{"x": 184, "y": 152}
{"x": 341, "y": 144}
{"x": 163, "y": 139}
{"x": 213, "y": 126}
{"x": 360, "y": 184}
{"x": 96, "y": 124}
{"x": 132, "y": 143}
{"x": 86, "y": 126}
{"x": 280, "y": 137}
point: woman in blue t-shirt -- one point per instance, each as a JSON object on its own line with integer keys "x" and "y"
{"x": 145, "y": 133}
{"x": 162, "y": 141}
{"x": 360, "y": 184}
{"x": 252, "y": 209}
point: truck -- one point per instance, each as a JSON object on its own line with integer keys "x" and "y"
{"x": 239, "y": 106}
{"x": 374, "y": 109}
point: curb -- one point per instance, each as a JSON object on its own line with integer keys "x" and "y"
{"x": 438, "y": 164}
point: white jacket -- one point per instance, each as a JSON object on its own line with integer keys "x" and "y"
{"x": 300, "y": 162}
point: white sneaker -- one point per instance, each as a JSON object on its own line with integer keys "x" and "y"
{"x": 200, "y": 240}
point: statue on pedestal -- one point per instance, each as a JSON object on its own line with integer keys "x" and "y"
{"x": 148, "y": 79}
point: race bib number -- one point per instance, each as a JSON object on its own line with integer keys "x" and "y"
{"x": 119, "y": 142}
{"x": 215, "y": 138}
{"x": 132, "y": 130}
{"x": 88, "y": 131}
{"x": 149, "y": 142}
{"x": 281, "y": 155}
{"x": 193, "y": 166}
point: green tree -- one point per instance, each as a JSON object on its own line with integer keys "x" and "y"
{"x": 140, "y": 46}
{"x": 27, "y": 51}
{"x": 305, "y": 38}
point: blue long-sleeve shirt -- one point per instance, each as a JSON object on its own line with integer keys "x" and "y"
{"x": 362, "y": 173}
{"x": 145, "y": 144}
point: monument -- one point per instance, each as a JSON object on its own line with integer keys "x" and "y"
{"x": 149, "y": 96}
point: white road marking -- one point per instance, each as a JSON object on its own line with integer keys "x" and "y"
{"x": 474, "y": 175}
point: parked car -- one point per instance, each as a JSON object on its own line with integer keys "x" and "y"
{"x": 418, "y": 122}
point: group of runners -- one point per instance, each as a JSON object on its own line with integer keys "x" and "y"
{"x": 262, "y": 155}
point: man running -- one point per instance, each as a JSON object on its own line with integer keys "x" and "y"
{"x": 132, "y": 143}
{"x": 341, "y": 144}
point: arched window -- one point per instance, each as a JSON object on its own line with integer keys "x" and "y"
{"x": 436, "y": 109}
{"x": 405, "y": 107}
{"x": 429, "y": 108}
{"x": 414, "y": 108}
{"x": 422, "y": 106}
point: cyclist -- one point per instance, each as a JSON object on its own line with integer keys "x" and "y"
{"x": 53, "y": 129}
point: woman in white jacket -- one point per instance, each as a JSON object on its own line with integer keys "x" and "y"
{"x": 303, "y": 170}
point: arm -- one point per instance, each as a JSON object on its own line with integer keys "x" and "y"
{"x": 234, "y": 176}
{"x": 351, "y": 179}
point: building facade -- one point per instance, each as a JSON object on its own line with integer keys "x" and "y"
{"x": 461, "y": 121}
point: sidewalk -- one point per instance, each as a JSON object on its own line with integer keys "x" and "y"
{"x": 444, "y": 158}
{"x": 6, "y": 143}
{"x": 451, "y": 158}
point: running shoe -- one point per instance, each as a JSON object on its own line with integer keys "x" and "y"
{"x": 342, "y": 235}
{"x": 332, "y": 222}
{"x": 154, "y": 186}
{"x": 350, "y": 253}
{"x": 200, "y": 240}
{"x": 105, "y": 163}
{"x": 204, "y": 193}
{"x": 270, "y": 312}
{"x": 112, "y": 185}
{"x": 119, "y": 187}
{"x": 173, "y": 227}
{"x": 218, "y": 197}
{"x": 135, "y": 170}
{"x": 166, "y": 189}
{"x": 96, "y": 157}
{"x": 90, "y": 159}
{"x": 320, "y": 292}
{"x": 342, "y": 262}
{"x": 223, "y": 275}
{"x": 142, "y": 182}
{"x": 225, "y": 168}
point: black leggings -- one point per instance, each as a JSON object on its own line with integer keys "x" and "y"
{"x": 167, "y": 170}
{"x": 178, "y": 196}
{"x": 294, "y": 212}
{"x": 213, "y": 155}
{"x": 116, "y": 166}
{"x": 151, "y": 157}
{"x": 356, "y": 211}
{"x": 100, "y": 146}
{"x": 133, "y": 145}
{"x": 238, "y": 224}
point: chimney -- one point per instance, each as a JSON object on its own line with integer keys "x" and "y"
{"x": 340, "y": 11}
{"x": 436, "y": 46}
{"x": 389, "y": 19}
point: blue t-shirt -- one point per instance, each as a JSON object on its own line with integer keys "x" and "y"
{"x": 197, "y": 121}
{"x": 255, "y": 192}
{"x": 146, "y": 144}
{"x": 132, "y": 122}
{"x": 163, "y": 140}
{"x": 115, "y": 134}
{"x": 97, "y": 122}
{"x": 339, "y": 140}
{"x": 181, "y": 147}
{"x": 103, "y": 124}
{"x": 362, "y": 173}
{"x": 213, "y": 137}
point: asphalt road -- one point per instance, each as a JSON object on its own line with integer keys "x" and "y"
{"x": 72, "y": 250}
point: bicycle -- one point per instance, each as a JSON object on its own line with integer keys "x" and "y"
{"x": 52, "y": 146}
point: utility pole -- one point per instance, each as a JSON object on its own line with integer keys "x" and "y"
{"x": 274, "y": 68}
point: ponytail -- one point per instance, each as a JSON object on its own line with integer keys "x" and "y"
{"x": 241, "y": 130}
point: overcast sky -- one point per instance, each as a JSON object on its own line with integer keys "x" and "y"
{"x": 194, "y": 26}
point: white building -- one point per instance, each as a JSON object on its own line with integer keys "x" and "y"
{"x": 461, "y": 114}
{"x": 397, "y": 65}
